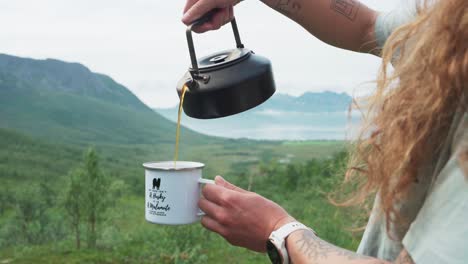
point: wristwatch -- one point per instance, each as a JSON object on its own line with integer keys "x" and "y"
{"x": 276, "y": 244}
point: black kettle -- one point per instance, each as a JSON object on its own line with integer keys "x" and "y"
{"x": 226, "y": 82}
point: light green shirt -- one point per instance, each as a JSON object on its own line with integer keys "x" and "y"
{"x": 436, "y": 206}
{"x": 439, "y": 234}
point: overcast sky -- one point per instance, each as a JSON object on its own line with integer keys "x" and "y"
{"x": 141, "y": 44}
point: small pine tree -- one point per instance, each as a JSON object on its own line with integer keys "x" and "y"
{"x": 96, "y": 197}
{"x": 74, "y": 202}
{"x": 86, "y": 198}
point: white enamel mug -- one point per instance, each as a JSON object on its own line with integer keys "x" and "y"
{"x": 172, "y": 194}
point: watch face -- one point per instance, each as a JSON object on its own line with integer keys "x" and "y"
{"x": 273, "y": 253}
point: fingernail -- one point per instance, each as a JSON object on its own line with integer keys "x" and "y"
{"x": 184, "y": 18}
{"x": 220, "y": 179}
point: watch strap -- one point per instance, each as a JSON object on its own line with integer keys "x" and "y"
{"x": 288, "y": 228}
{"x": 278, "y": 237}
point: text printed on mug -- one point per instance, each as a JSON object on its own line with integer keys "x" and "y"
{"x": 156, "y": 202}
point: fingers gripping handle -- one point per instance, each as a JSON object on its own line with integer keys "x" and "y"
{"x": 205, "y": 18}
{"x": 204, "y": 181}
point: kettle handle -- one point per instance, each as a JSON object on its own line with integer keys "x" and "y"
{"x": 205, "y": 18}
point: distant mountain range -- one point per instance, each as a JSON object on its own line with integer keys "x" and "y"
{"x": 308, "y": 102}
{"x": 67, "y": 102}
{"x": 309, "y": 116}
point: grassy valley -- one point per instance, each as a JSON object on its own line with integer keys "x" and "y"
{"x": 125, "y": 237}
{"x": 47, "y": 124}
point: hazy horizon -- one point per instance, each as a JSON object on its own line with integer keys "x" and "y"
{"x": 141, "y": 44}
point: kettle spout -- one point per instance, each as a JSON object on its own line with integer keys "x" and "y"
{"x": 191, "y": 84}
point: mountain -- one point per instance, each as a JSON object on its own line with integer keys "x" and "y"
{"x": 67, "y": 102}
{"x": 59, "y": 76}
{"x": 284, "y": 117}
{"x": 308, "y": 102}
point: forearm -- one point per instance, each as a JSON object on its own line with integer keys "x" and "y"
{"x": 304, "y": 247}
{"x": 346, "y": 24}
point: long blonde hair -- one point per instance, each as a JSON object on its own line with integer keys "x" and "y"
{"x": 410, "y": 113}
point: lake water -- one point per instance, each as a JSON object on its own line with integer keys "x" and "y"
{"x": 276, "y": 125}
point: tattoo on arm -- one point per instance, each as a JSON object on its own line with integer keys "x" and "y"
{"x": 347, "y": 8}
{"x": 315, "y": 249}
{"x": 288, "y": 7}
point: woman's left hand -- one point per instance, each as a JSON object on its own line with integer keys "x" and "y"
{"x": 243, "y": 218}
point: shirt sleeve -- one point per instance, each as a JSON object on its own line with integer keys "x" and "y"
{"x": 387, "y": 22}
{"x": 440, "y": 232}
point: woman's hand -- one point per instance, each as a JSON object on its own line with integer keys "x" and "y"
{"x": 243, "y": 218}
{"x": 195, "y": 9}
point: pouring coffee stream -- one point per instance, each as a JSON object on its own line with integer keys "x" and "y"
{"x": 179, "y": 115}
{"x": 224, "y": 83}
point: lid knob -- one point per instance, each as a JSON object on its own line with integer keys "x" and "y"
{"x": 219, "y": 58}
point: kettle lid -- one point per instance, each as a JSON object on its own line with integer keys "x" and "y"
{"x": 222, "y": 59}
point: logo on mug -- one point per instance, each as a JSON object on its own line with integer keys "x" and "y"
{"x": 156, "y": 183}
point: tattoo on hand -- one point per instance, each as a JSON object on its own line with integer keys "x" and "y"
{"x": 288, "y": 7}
{"x": 348, "y": 8}
{"x": 315, "y": 248}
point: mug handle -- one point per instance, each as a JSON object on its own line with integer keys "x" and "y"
{"x": 204, "y": 181}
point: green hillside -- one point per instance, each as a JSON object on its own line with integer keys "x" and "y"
{"x": 49, "y": 99}
{"x": 24, "y": 159}
{"x": 67, "y": 77}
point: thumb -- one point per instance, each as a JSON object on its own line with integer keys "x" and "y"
{"x": 196, "y": 11}
{"x": 222, "y": 182}
{"x": 189, "y": 4}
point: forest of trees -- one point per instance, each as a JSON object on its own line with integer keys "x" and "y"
{"x": 39, "y": 214}
{"x": 93, "y": 216}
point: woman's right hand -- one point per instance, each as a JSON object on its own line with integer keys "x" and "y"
{"x": 195, "y": 9}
